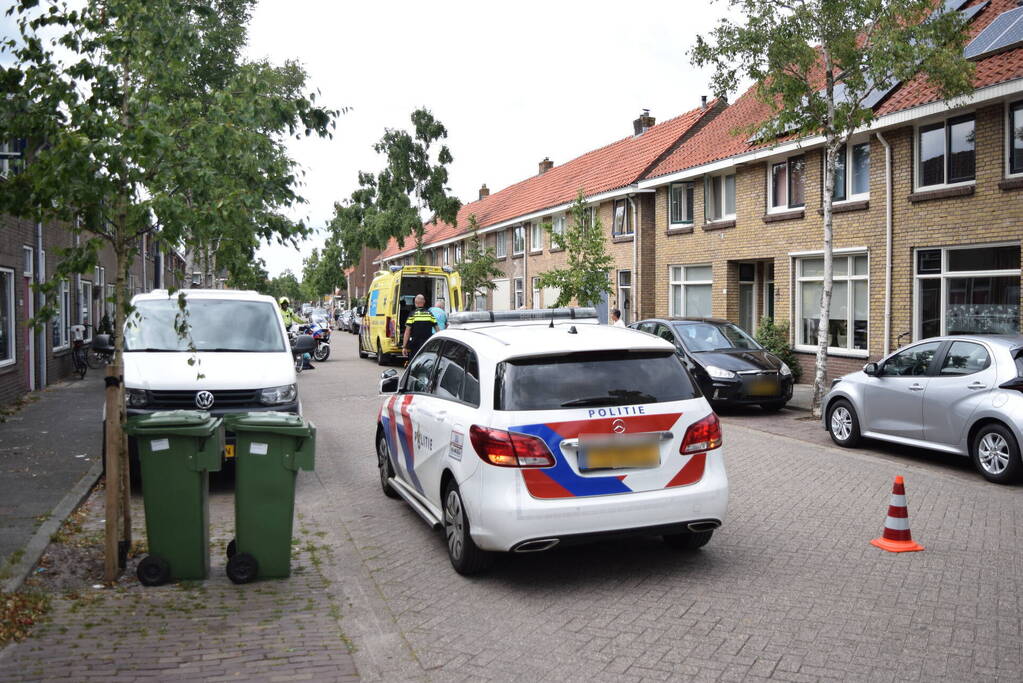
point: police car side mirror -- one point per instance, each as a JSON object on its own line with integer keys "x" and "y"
{"x": 388, "y": 381}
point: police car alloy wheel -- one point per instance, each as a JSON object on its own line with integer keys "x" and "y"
{"x": 464, "y": 554}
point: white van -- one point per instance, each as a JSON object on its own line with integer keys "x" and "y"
{"x": 235, "y": 357}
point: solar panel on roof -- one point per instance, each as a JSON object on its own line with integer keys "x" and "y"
{"x": 970, "y": 12}
{"x": 999, "y": 34}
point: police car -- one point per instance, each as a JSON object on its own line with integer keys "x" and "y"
{"x": 523, "y": 430}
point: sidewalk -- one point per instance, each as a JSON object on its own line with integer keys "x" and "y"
{"x": 50, "y": 448}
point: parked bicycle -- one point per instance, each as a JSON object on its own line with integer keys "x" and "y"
{"x": 78, "y": 350}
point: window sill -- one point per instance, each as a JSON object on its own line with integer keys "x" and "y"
{"x": 718, "y": 225}
{"x": 535, "y": 251}
{"x": 680, "y": 230}
{"x": 8, "y": 366}
{"x": 1011, "y": 184}
{"x": 784, "y": 216}
{"x": 618, "y": 239}
{"x": 944, "y": 193}
{"x": 844, "y": 353}
{"x": 555, "y": 250}
{"x": 847, "y": 206}
{"x": 514, "y": 256}
{"x": 501, "y": 258}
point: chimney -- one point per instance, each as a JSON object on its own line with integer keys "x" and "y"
{"x": 703, "y": 103}
{"x": 644, "y": 123}
{"x": 545, "y": 165}
{"x": 484, "y": 191}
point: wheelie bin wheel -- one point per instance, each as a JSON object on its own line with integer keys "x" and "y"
{"x": 232, "y": 548}
{"x": 242, "y": 568}
{"x": 153, "y": 570}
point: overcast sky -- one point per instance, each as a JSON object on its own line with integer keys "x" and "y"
{"x": 512, "y": 82}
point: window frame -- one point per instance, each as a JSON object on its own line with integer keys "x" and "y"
{"x": 84, "y": 309}
{"x": 945, "y": 274}
{"x": 12, "y": 152}
{"x": 787, "y": 163}
{"x": 447, "y": 345}
{"x": 518, "y": 292}
{"x": 534, "y": 284}
{"x": 501, "y": 244}
{"x": 628, "y": 229}
{"x": 849, "y": 277}
{"x": 707, "y": 182}
{"x": 62, "y": 321}
{"x": 517, "y": 232}
{"x": 557, "y": 227}
{"x": 12, "y": 327}
{"x": 535, "y": 235}
{"x": 848, "y": 153}
{"x": 946, "y": 125}
{"x": 1010, "y": 109}
{"x": 685, "y": 207}
{"x": 683, "y": 282}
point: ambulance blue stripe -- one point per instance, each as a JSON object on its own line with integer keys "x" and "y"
{"x": 563, "y": 473}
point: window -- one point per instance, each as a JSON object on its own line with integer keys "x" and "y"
{"x": 11, "y": 153}
{"x": 622, "y": 224}
{"x": 689, "y": 290}
{"x": 625, "y": 294}
{"x": 85, "y": 307}
{"x": 447, "y": 256}
{"x": 847, "y": 322}
{"x": 535, "y": 281}
{"x": 558, "y": 227}
{"x": 458, "y": 252}
{"x": 520, "y": 297}
{"x": 62, "y": 321}
{"x": 627, "y": 377}
{"x": 971, "y": 290}
{"x": 911, "y": 362}
{"x": 964, "y": 358}
{"x": 7, "y": 329}
{"x": 458, "y": 375}
{"x": 785, "y": 180}
{"x": 680, "y": 203}
{"x": 420, "y": 370}
{"x": 518, "y": 239}
{"x": 500, "y": 244}
{"x": 536, "y": 237}
{"x": 1015, "y": 128}
{"x": 719, "y": 197}
{"x": 852, "y": 173}
{"x": 946, "y": 152}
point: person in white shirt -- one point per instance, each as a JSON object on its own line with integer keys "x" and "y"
{"x": 616, "y": 318}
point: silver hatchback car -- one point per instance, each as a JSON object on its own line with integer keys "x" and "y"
{"x": 961, "y": 394}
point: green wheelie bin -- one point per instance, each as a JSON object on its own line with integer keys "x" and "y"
{"x": 177, "y": 451}
{"x": 270, "y": 448}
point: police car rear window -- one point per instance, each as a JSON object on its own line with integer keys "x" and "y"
{"x": 591, "y": 380}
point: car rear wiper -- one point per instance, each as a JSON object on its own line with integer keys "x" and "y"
{"x": 593, "y": 401}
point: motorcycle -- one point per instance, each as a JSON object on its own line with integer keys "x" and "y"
{"x": 301, "y": 344}
{"x": 322, "y": 336}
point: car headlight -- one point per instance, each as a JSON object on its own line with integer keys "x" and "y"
{"x": 136, "y": 398}
{"x": 277, "y": 395}
{"x": 784, "y": 370}
{"x": 719, "y": 373}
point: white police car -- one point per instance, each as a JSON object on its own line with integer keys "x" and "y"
{"x": 521, "y": 430}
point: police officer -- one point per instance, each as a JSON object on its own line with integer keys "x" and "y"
{"x": 292, "y": 318}
{"x": 419, "y": 326}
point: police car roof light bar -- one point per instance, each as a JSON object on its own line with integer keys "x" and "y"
{"x": 534, "y": 314}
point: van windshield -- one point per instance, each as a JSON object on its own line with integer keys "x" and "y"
{"x": 592, "y": 379}
{"x": 224, "y": 325}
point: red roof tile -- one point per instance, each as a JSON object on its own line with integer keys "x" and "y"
{"x": 609, "y": 168}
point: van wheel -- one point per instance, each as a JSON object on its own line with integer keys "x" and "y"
{"x": 381, "y": 360}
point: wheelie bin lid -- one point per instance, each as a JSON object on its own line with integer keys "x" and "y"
{"x": 269, "y": 421}
{"x": 177, "y": 422}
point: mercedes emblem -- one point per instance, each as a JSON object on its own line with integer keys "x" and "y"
{"x": 204, "y": 400}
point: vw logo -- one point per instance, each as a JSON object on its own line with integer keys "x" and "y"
{"x": 204, "y": 400}
{"x": 618, "y": 426}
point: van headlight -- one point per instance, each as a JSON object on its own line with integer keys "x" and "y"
{"x": 277, "y": 395}
{"x": 719, "y": 373}
{"x": 136, "y": 398}
{"x": 784, "y": 370}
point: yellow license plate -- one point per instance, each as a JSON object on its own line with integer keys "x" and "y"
{"x": 229, "y": 450}
{"x": 763, "y": 387}
{"x": 623, "y": 456}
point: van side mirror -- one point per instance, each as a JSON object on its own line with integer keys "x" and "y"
{"x": 303, "y": 343}
{"x": 872, "y": 369}
{"x": 389, "y": 381}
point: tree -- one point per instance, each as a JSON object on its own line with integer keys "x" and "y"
{"x": 287, "y": 285}
{"x": 585, "y": 278}
{"x": 393, "y": 203}
{"x": 478, "y": 267}
{"x": 322, "y": 272}
{"x": 142, "y": 119}
{"x": 822, "y": 66}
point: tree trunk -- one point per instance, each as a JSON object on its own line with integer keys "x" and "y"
{"x": 823, "y": 325}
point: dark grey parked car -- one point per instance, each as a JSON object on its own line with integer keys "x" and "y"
{"x": 961, "y": 394}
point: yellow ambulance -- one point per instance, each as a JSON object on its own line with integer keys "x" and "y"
{"x": 392, "y": 297}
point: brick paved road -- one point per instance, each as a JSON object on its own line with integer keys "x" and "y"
{"x": 789, "y": 589}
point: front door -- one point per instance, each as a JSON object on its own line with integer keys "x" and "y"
{"x": 625, "y": 295}
{"x": 963, "y": 380}
{"x": 893, "y": 403}
{"x": 748, "y": 296}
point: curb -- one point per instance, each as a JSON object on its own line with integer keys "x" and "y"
{"x": 41, "y": 538}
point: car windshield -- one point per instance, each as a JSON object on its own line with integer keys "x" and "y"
{"x": 591, "y": 379}
{"x": 213, "y": 325}
{"x": 714, "y": 337}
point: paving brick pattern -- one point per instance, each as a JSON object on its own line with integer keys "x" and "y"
{"x": 789, "y": 589}
{"x": 281, "y": 630}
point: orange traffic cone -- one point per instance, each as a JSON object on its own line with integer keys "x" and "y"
{"x": 896, "y": 537}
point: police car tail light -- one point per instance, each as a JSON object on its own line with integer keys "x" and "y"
{"x": 703, "y": 435}
{"x": 507, "y": 449}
